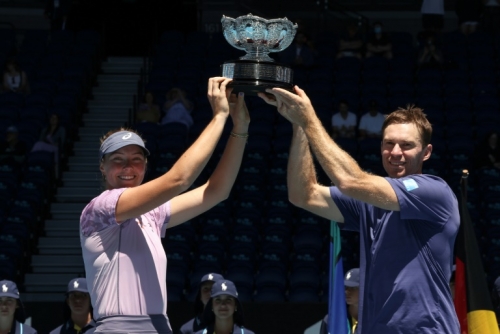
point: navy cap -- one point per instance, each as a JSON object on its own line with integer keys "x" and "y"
{"x": 212, "y": 277}
{"x": 78, "y": 284}
{"x": 351, "y": 278}
{"x": 121, "y": 139}
{"x": 8, "y": 289}
{"x": 224, "y": 287}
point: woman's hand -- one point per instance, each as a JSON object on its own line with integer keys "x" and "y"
{"x": 239, "y": 112}
{"x": 218, "y": 95}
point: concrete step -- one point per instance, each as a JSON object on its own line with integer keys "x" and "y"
{"x": 62, "y": 228}
{"x": 118, "y": 79}
{"x": 56, "y": 282}
{"x": 68, "y": 208}
{"x": 82, "y": 183}
{"x": 110, "y": 102}
{"x": 87, "y": 167}
{"x": 98, "y": 132}
{"x": 125, "y": 60}
{"x": 64, "y": 261}
{"x": 120, "y": 68}
{"x": 78, "y": 195}
{"x": 36, "y": 297}
{"x": 108, "y": 124}
{"x": 129, "y": 90}
{"x": 65, "y": 243}
{"x": 129, "y": 85}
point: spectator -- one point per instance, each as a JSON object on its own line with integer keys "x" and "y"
{"x": 351, "y": 284}
{"x": 488, "y": 152}
{"x": 12, "y": 315}
{"x": 52, "y": 139}
{"x": 299, "y": 54}
{"x": 57, "y": 12}
{"x": 379, "y": 44}
{"x": 430, "y": 55}
{"x": 77, "y": 309}
{"x": 14, "y": 79}
{"x": 469, "y": 13}
{"x": 201, "y": 300}
{"x": 351, "y": 43}
{"x": 12, "y": 149}
{"x": 432, "y": 15}
{"x": 224, "y": 313}
{"x": 148, "y": 110}
{"x": 370, "y": 125}
{"x": 178, "y": 108}
{"x": 344, "y": 122}
{"x": 491, "y": 16}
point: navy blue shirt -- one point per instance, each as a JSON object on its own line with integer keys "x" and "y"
{"x": 192, "y": 326}
{"x": 406, "y": 257}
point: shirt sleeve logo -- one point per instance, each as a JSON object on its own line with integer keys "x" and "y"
{"x": 410, "y": 184}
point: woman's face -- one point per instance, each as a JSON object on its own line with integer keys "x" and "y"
{"x": 11, "y": 68}
{"x": 8, "y": 306}
{"x": 124, "y": 168}
{"x": 493, "y": 140}
{"x": 206, "y": 292}
{"x": 224, "y": 306}
{"x": 54, "y": 120}
{"x": 149, "y": 98}
{"x": 79, "y": 303}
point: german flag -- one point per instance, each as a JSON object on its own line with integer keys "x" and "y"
{"x": 472, "y": 299}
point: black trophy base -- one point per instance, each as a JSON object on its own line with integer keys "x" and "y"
{"x": 252, "y": 77}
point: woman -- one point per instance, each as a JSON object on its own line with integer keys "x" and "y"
{"x": 120, "y": 229}
{"x": 12, "y": 315}
{"x": 77, "y": 309}
{"x": 488, "y": 153}
{"x": 52, "y": 138}
{"x": 224, "y": 314}
{"x": 201, "y": 300}
{"x": 177, "y": 108}
{"x": 14, "y": 79}
{"x": 148, "y": 110}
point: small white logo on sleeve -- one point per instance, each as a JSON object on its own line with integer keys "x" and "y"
{"x": 75, "y": 284}
{"x": 348, "y": 276}
{"x": 224, "y": 287}
{"x": 127, "y": 136}
{"x": 410, "y": 184}
{"x": 5, "y": 288}
{"x": 210, "y": 277}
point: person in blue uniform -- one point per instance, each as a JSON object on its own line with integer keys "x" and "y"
{"x": 201, "y": 300}
{"x": 224, "y": 313}
{"x": 407, "y": 221}
{"x": 12, "y": 314}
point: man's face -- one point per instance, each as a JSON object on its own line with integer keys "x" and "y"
{"x": 343, "y": 108}
{"x": 352, "y": 295}
{"x": 79, "y": 302}
{"x": 402, "y": 151}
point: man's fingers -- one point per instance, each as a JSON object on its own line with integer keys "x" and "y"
{"x": 268, "y": 98}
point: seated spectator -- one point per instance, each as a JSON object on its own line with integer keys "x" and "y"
{"x": 52, "y": 139}
{"x": 430, "y": 55}
{"x": 224, "y": 313}
{"x": 77, "y": 309}
{"x": 379, "y": 43}
{"x": 15, "y": 79}
{"x": 495, "y": 296}
{"x": 344, "y": 122}
{"x": 12, "y": 314}
{"x": 488, "y": 152}
{"x": 432, "y": 15}
{"x": 148, "y": 110}
{"x": 351, "y": 43}
{"x": 177, "y": 108}
{"x": 201, "y": 300}
{"x": 370, "y": 124}
{"x": 469, "y": 13}
{"x": 12, "y": 149}
{"x": 490, "y": 22}
{"x": 299, "y": 54}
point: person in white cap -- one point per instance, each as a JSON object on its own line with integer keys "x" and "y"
{"x": 124, "y": 258}
{"x": 77, "y": 309}
{"x": 12, "y": 314}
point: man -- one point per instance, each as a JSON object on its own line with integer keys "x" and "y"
{"x": 370, "y": 124}
{"x": 299, "y": 55}
{"x": 407, "y": 221}
{"x": 351, "y": 284}
{"x": 344, "y": 122}
{"x": 379, "y": 43}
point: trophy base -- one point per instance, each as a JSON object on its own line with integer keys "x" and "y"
{"x": 252, "y": 77}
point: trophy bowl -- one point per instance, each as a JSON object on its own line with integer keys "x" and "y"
{"x": 257, "y": 36}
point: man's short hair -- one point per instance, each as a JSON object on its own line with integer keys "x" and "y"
{"x": 411, "y": 115}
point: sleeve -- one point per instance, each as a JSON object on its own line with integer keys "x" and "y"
{"x": 100, "y": 212}
{"x": 424, "y": 197}
{"x": 362, "y": 123}
{"x": 350, "y": 209}
{"x": 162, "y": 217}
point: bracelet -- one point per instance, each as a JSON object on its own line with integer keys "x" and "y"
{"x": 239, "y": 135}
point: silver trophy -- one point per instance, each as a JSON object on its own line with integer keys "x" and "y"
{"x": 256, "y": 71}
